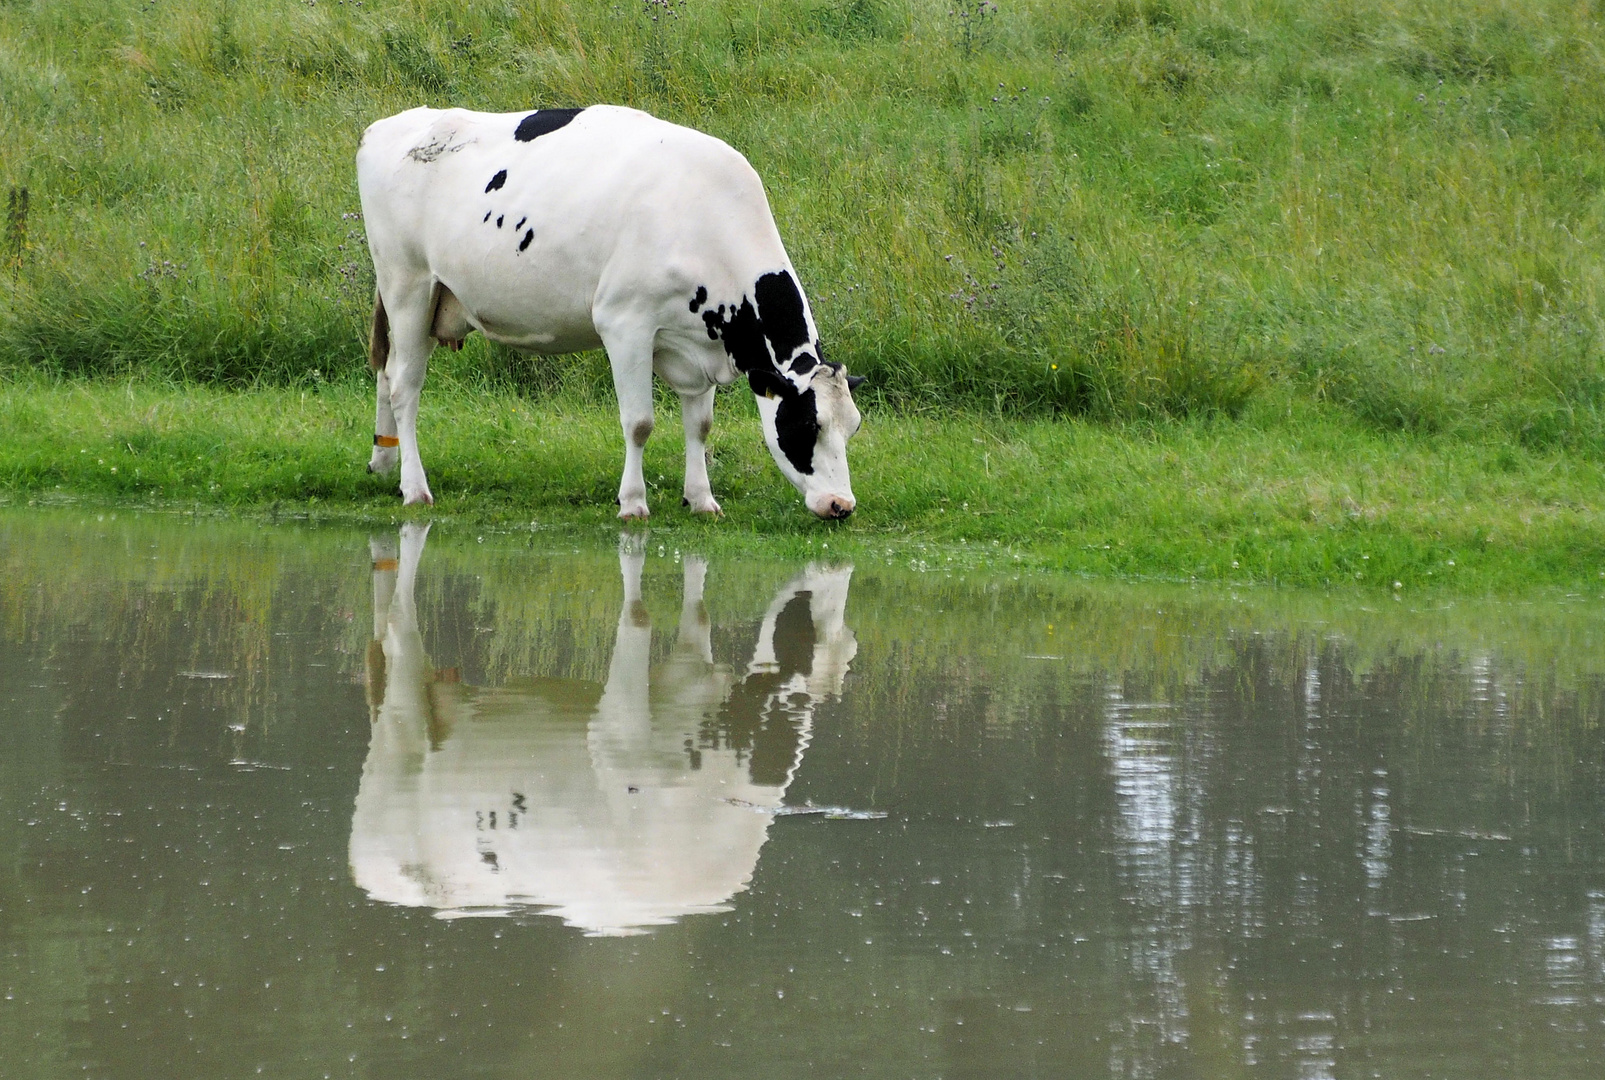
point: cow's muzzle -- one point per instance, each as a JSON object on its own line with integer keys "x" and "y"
{"x": 831, "y": 507}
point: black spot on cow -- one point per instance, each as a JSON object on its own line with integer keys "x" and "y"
{"x": 543, "y": 122}
{"x": 499, "y": 219}
{"x": 520, "y": 224}
{"x": 780, "y": 305}
{"x": 528, "y": 236}
{"x": 766, "y": 382}
{"x": 803, "y": 364}
{"x": 765, "y": 335}
{"x": 797, "y": 429}
{"x": 496, "y": 182}
{"x": 699, "y": 299}
{"x": 742, "y": 335}
{"x": 485, "y": 218}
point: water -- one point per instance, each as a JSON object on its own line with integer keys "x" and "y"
{"x": 310, "y": 802}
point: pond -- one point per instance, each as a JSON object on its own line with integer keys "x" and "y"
{"x": 308, "y": 801}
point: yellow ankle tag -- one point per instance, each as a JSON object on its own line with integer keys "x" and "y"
{"x": 386, "y": 440}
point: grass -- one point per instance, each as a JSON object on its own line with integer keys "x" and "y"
{"x": 1121, "y": 210}
{"x": 1295, "y": 495}
{"x": 1306, "y": 292}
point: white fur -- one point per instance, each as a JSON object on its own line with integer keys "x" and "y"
{"x": 630, "y": 216}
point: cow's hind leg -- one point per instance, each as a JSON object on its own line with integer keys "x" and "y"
{"x": 385, "y": 454}
{"x": 411, "y": 312}
{"x": 696, "y": 410}
{"x": 385, "y": 444}
{"x": 629, "y": 353}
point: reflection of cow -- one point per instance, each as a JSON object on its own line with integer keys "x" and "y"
{"x": 615, "y": 807}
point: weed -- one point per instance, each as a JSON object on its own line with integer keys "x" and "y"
{"x": 851, "y": 20}
{"x": 972, "y": 197}
{"x": 1010, "y": 123}
{"x": 415, "y": 61}
{"x": 322, "y": 60}
{"x": 16, "y": 242}
{"x": 1223, "y": 40}
{"x": 974, "y": 25}
{"x": 657, "y": 53}
{"x": 227, "y": 52}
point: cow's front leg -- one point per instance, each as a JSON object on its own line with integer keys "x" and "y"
{"x": 410, "y": 345}
{"x": 630, "y": 356}
{"x": 696, "y": 410}
{"x": 406, "y": 386}
{"x": 385, "y": 444}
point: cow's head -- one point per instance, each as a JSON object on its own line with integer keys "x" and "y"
{"x": 805, "y": 401}
{"x": 807, "y": 421}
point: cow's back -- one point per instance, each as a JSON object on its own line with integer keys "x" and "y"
{"x": 532, "y": 234}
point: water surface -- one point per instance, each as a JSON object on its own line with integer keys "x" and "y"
{"x": 305, "y": 802}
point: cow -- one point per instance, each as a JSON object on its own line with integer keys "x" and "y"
{"x": 615, "y": 807}
{"x": 564, "y": 229}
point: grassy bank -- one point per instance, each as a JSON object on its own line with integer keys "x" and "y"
{"x": 1228, "y": 289}
{"x": 1387, "y": 208}
{"x": 1291, "y": 494}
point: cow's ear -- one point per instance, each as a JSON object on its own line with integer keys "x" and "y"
{"x": 855, "y": 381}
{"x": 765, "y": 382}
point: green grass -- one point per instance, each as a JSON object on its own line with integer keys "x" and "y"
{"x": 1169, "y": 208}
{"x": 1295, "y": 495}
{"x": 1308, "y": 292}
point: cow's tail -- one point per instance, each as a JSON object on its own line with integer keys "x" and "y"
{"x": 379, "y": 340}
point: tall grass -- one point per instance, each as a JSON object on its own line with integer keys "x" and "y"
{"x": 1118, "y": 209}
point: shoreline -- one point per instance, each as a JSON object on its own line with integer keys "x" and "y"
{"x": 1293, "y": 496}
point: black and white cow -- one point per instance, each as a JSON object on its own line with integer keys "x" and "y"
{"x": 565, "y": 229}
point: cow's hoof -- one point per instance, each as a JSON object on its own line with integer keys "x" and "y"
{"x": 636, "y": 512}
{"x": 703, "y": 506}
{"x": 422, "y": 499}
